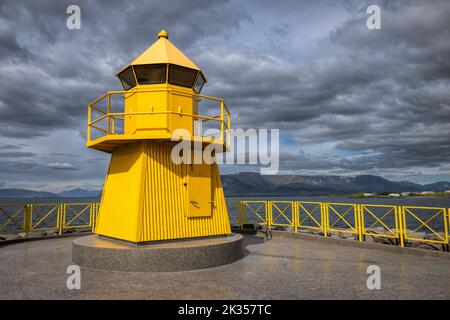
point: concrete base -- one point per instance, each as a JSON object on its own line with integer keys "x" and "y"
{"x": 102, "y": 253}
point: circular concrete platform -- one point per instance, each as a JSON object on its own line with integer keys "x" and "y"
{"x": 101, "y": 253}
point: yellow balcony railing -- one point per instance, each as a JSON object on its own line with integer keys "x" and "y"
{"x": 107, "y": 117}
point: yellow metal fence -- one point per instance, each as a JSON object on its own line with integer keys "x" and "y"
{"x": 45, "y": 217}
{"x": 397, "y": 223}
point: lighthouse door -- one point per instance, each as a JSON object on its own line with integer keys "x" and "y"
{"x": 199, "y": 190}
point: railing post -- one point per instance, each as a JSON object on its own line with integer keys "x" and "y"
{"x": 27, "y": 219}
{"x": 222, "y": 119}
{"x": 91, "y": 216}
{"x": 239, "y": 214}
{"x": 89, "y": 124}
{"x": 324, "y": 210}
{"x": 228, "y": 130}
{"x": 402, "y": 221}
{"x": 94, "y": 223}
{"x": 269, "y": 208}
{"x": 295, "y": 217}
{"x": 446, "y": 246}
{"x": 399, "y": 218}
{"x": 360, "y": 214}
{"x": 242, "y": 214}
{"x": 448, "y": 230}
{"x": 97, "y": 215}
{"x": 108, "y": 130}
{"x": 61, "y": 217}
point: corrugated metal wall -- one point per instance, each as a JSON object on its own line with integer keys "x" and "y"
{"x": 164, "y": 200}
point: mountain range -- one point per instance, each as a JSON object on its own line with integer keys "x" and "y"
{"x": 24, "y": 193}
{"x": 254, "y": 184}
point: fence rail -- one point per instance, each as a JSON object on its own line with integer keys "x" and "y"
{"x": 398, "y": 223}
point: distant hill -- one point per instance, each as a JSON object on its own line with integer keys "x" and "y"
{"x": 79, "y": 193}
{"x": 24, "y": 193}
{"x": 254, "y": 184}
{"x": 437, "y": 186}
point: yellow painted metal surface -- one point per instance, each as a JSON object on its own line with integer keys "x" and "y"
{"x": 199, "y": 204}
{"x": 427, "y": 218}
{"x": 44, "y": 217}
{"x": 400, "y": 223}
{"x": 163, "y": 51}
{"x": 146, "y": 197}
{"x": 404, "y": 224}
{"x": 154, "y": 110}
{"x": 380, "y": 221}
{"x": 309, "y": 215}
{"x": 160, "y": 111}
{"x": 122, "y": 193}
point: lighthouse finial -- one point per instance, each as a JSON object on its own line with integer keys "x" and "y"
{"x": 163, "y": 34}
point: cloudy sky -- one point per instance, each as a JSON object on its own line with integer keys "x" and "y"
{"x": 347, "y": 100}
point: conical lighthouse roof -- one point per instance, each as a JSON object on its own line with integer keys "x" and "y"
{"x": 163, "y": 51}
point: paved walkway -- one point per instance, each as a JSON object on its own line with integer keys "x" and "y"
{"x": 280, "y": 268}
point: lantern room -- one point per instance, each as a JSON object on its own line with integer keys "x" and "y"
{"x": 162, "y": 64}
{"x": 161, "y": 93}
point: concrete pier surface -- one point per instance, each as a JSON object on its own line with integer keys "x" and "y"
{"x": 280, "y": 268}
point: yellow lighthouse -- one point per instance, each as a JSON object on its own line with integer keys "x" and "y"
{"x": 147, "y": 196}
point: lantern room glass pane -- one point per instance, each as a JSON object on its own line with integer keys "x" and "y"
{"x": 181, "y": 76}
{"x": 127, "y": 78}
{"x": 151, "y": 73}
{"x": 199, "y": 83}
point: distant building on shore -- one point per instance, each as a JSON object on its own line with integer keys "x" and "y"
{"x": 406, "y": 194}
{"x": 427, "y": 192}
{"x": 394, "y": 195}
{"x": 368, "y": 195}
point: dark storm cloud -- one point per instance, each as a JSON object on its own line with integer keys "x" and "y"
{"x": 385, "y": 92}
{"x": 54, "y": 72}
{"x": 10, "y": 147}
{"x": 372, "y": 99}
{"x": 16, "y": 154}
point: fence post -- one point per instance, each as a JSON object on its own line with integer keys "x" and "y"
{"x": 446, "y": 228}
{"x": 402, "y": 221}
{"x": 27, "y": 219}
{"x": 399, "y": 217}
{"x": 323, "y": 210}
{"x": 360, "y": 211}
{"x": 242, "y": 214}
{"x": 91, "y": 216}
{"x": 61, "y": 217}
{"x": 97, "y": 211}
{"x": 295, "y": 217}
{"x": 268, "y": 208}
